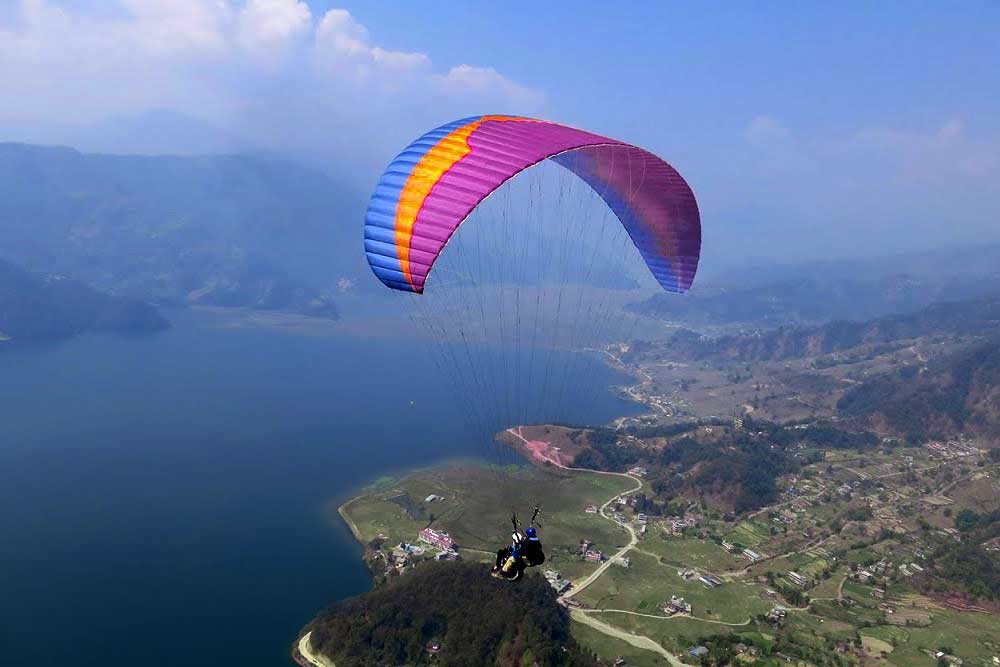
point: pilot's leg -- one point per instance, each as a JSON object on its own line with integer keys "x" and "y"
{"x": 509, "y": 564}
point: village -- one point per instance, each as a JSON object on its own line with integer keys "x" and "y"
{"x": 850, "y": 543}
{"x": 842, "y": 559}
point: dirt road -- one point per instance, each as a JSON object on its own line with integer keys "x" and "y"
{"x": 638, "y": 641}
{"x": 311, "y": 657}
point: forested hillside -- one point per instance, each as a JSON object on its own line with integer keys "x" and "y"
{"x": 474, "y": 618}
{"x": 246, "y": 231}
{"x": 960, "y": 393}
{"x": 33, "y": 307}
{"x": 737, "y": 468}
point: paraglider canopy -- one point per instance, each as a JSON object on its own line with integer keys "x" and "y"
{"x": 433, "y": 185}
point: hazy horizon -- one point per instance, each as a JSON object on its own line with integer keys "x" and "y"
{"x": 805, "y": 132}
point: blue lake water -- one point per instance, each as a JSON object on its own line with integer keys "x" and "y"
{"x": 165, "y": 500}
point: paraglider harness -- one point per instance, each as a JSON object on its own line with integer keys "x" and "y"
{"x": 525, "y": 550}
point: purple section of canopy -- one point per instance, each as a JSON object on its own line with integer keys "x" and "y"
{"x": 653, "y": 202}
{"x": 500, "y": 149}
{"x": 648, "y": 195}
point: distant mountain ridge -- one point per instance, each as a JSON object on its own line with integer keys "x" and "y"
{"x": 34, "y": 307}
{"x": 248, "y": 231}
{"x": 807, "y": 299}
{"x": 972, "y": 317}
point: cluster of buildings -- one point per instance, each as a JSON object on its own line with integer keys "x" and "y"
{"x": 707, "y": 580}
{"x": 883, "y": 568}
{"x": 404, "y": 550}
{"x": 797, "y": 579}
{"x": 802, "y": 503}
{"x": 557, "y": 582}
{"x": 437, "y": 538}
{"x": 679, "y": 524}
{"x": 800, "y": 491}
{"x": 953, "y": 449}
{"x": 401, "y": 556}
{"x": 777, "y": 614}
{"x": 589, "y": 553}
{"x": 404, "y": 553}
{"x": 748, "y": 553}
{"x": 448, "y": 550}
{"x": 785, "y": 517}
{"x": 676, "y": 605}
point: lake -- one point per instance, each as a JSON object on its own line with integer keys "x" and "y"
{"x": 166, "y": 500}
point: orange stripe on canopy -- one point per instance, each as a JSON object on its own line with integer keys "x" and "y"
{"x": 432, "y": 166}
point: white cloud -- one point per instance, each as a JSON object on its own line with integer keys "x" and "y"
{"x": 938, "y": 156}
{"x": 344, "y": 45}
{"x": 269, "y": 28}
{"x": 178, "y": 28}
{"x": 463, "y": 79}
{"x": 869, "y": 188}
{"x": 270, "y": 69}
{"x": 942, "y": 155}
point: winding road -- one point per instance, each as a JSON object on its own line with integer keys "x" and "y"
{"x": 667, "y": 618}
{"x": 638, "y": 641}
{"x": 633, "y": 538}
{"x": 310, "y": 656}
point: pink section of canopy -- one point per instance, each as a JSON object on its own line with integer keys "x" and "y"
{"x": 500, "y": 149}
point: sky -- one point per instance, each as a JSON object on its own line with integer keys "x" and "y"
{"x": 807, "y": 130}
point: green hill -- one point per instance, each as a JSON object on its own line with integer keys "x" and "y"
{"x": 475, "y": 619}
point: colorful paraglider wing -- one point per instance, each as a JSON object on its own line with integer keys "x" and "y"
{"x": 433, "y": 185}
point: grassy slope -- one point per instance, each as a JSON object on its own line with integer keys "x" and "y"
{"x": 609, "y": 648}
{"x": 647, "y": 583}
{"x": 477, "y": 504}
{"x": 475, "y": 510}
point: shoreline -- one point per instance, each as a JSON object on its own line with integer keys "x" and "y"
{"x": 395, "y": 476}
{"x": 342, "y": 511}
{"x": 310, "y": 659}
